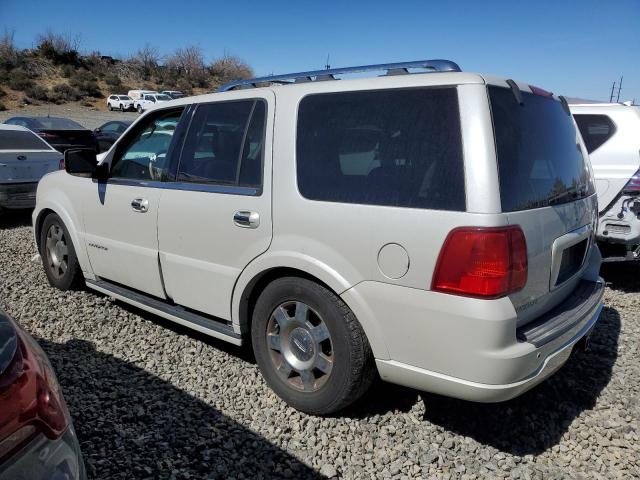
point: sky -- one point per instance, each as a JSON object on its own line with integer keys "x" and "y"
{"x": 576, "y": 48}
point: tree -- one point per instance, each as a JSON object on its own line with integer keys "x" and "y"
{"x": 149, "y": 58}
{"x": 188, "y": 63}
{"x": 230, "y": 68}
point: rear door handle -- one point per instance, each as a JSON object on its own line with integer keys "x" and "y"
{"x": 245, "y": 219}
{"x": 140, "y": 205}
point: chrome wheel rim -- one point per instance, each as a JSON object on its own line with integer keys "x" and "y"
{"x": 300, "y": 346}
{"x": 57, "y": 251}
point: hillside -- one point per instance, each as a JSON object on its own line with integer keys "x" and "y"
{"x": 56, "y": 73}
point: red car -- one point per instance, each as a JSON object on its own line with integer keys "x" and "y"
{"x": 37, "y": 439}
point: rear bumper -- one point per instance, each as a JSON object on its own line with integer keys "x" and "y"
{"x": 423, "y": 379}
{"x": 469, "y": 348}
{"x": 18, "y": 195}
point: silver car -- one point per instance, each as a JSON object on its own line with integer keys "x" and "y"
{"x": 24, "y": 159}
{"x": 435, "y": 228}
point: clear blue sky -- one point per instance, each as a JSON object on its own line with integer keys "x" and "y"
{"x": 576, "y": 48}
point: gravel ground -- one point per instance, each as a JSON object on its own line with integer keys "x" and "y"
{"x": 151, "y": 400}
{"x": 87, "y": 117}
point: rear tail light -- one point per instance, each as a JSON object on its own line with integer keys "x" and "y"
{"x": 61, "y": 164}
{"x": 633, "y": 185}
{"x": 482, "y": 262}
{"x": 30, "y": 398}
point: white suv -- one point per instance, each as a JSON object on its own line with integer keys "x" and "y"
{"x": 119, "y": 102}
{"x": 611, "y": 133}
{"x": 347, "y": 228}
{"x": 149, "y": 100}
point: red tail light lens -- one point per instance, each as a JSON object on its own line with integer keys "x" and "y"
{"x": 482, "y": 262}
{"x": 633, "y": 185}
{"x": 30, "y": 398}
{"x": 540, "y": 91}
{"x": 47, "y": 136}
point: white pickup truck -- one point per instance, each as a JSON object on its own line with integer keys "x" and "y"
{"x": 148, "y": 100}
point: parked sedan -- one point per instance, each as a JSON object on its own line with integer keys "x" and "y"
{"x": 107, "y": 134}
{"x": 24, "y": 159}
{"x": 37, "y": 439}
{"x": 61, "y": 133}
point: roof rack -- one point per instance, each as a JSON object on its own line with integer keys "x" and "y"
{"x": 399, "y": 68}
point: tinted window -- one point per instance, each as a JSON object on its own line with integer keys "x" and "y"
{"x": 392, "y": 147}
{"x": 539, "y": 159}
{"x": 225, "y": 144}
{"x": 595, "y": 130}
{"x": 144, "y": 155}
{"x": 21, "y": 140}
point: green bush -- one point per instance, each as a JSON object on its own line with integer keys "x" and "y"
{"x": 86, "y": 84}
{"x": 19, "y": 80}
{"x": 37, "y": 92}
{"x": 63, "y": 92}
{"x": 113, "y": 81}
{"x": 68, "y": 71}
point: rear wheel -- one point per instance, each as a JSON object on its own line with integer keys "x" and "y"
{"x": 109, "y": 107}
{"x": 121, "y": 108}
{"x": 309, "y": 346}
{"x": 140, "y": 109}
{"x": 58, "y": 254}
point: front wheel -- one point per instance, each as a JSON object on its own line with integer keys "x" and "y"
{"x": 109, "y": 107}
{"x": 58, "y": 254}
{"x": 310, "y": 347}
{"x": 140, "y": 109}
{"x": 121, "y": 108}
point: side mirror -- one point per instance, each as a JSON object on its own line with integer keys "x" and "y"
{"x": 82, "y": 162}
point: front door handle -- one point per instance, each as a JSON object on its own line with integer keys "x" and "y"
{"x": 140, "y": 205}
{"x": 245, "y": 219}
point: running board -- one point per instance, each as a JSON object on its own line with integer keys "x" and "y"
{"x": 175, "y": 313}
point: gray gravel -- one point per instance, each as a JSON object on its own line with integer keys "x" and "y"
{"x": 85, "y": 116}
{"x": 151, "y": 400}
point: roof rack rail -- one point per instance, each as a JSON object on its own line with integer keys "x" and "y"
{"x": 398, "y": 68}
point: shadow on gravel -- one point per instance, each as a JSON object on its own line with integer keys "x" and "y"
{"x": 536, "y": 421}
{"x": 15, "y": 219}
{"x": 622, "y": 276}
{"x": 134, "y": 425}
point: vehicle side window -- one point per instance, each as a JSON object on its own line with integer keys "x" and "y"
{"x": 225, "y": 144}
{"x": 110, "y": 127}
{"x": 143, "y": 156}
{"x": 398, "y": 147}
{"x": 595, "y": 130}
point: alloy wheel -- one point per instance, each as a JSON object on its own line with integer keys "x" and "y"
{"x": 57, "y": 251}
{"x": 300, "y": 346}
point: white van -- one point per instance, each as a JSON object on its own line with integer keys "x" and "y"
{"x": 407, "y": 225}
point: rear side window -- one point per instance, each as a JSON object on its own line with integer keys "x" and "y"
{"x": 398, "y": 148}
{"x": 539, "y": 160}
{"x": 21, "y": 140}
{"x": 595, "y": 130}
{"x": 225, "y": 144}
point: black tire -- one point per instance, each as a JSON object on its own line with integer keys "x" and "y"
{"x": 72, "y": 276}
{"x": 109, "y": 107}
{"x": 353, "y": 368}
{"x": 121, "y": 108}
{"x": 140, "y": 109}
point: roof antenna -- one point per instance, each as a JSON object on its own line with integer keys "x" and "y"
{"x": 619, "y": 88}
{"x": 327, "y": 66}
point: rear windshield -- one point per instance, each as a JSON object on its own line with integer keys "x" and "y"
{"x": 539, "y": 159}
{"x": 398, "y": 148}
{"x": 21, "y": 140}
{"x": 124, "y": 97}
{"x": 55, "y": 123}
